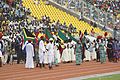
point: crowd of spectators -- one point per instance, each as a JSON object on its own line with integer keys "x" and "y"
{"x": 103, "y": 12}
{"x": 11, "y": 13}
{"x": 112, "y": 6}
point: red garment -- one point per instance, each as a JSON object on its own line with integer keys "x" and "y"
{"x": 36, "y": 40}
{"x": 60, "y": 49}
{"x": 81, "y": 36}
{"x": 37, "y": 33}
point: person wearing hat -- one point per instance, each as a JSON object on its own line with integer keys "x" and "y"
{"x": 41, "y": 52}
{"x": 50, "y": 49}
{"x": 78, "y": 52}
{"x": 29, "y": 55}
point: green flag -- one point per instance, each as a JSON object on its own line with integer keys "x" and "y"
{"x": 62, "y": 36}
{"x": 71, "y": 37}
{"x": 48, "y": 35}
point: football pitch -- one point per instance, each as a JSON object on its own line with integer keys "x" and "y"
{"x": 110, "y": 77}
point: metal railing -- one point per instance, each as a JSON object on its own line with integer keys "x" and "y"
{"x": 88, "y": 11}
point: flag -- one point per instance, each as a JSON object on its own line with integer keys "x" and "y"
{"x": 48, "y": 35}
{"x": 71, "y": 37}
{"x": 28, "y": 35}
{"x": 62, "y": 36}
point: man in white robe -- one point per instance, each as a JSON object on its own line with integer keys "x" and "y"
{"x": 50, "y": 49}
{"x": 57, "y": 54}
{"x": 87, "y": 52}
{"x": 93, "y": 53}
{"x": 29, "y": 55}
{"x": 71, "y": 51}
{"x": 41, "y": 52}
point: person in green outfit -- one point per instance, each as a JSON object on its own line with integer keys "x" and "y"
{"x": 78, "y": 51}
{"x": 102, "y": 51}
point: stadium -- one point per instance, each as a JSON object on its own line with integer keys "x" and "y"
{"x": 59, "y": 40}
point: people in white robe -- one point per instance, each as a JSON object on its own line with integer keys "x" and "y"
{"x": 29, "y": 55}
{"x": 65, "y": 53}
{"x": 87, "y": 52}
{"x": 57, "y": 54}
{"x": 93, "y": 53}
{"x": 72, "y": 48}
{"x": 41, "y": 52}
{"x": 46, "y": 57}
{"x": 50, "y": 49}
{"x": 69, "y": 51}
{"x": 46, "y": 53}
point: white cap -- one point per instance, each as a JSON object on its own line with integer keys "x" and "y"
{"x": 51, "y": 39}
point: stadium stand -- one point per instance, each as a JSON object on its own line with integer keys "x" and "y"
{"x": 101, "y": 12}
{"x": 38, "y": 10}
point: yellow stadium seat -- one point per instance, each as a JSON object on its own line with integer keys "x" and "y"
{"x": 57, "y": 14}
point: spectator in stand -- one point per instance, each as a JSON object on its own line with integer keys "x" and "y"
{"x": 92, "y": 32}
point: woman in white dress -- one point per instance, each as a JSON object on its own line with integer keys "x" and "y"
{"x": 65, "y": 57}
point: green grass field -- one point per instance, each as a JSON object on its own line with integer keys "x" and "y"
{"x": 110, "y": 77}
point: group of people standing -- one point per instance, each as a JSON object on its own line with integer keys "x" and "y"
{"x": 52, "y": 52}
{"x": 48, "y": 52}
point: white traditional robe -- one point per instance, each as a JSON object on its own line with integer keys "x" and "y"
{"x": 72, "y": 51}
{"x": 87, "y": 53}
{"x": 65, "y": 54}
{"x": 50, "y": 48}
{"x": 46, "y": 58}
{"x": 29, "y": 56}
{"x": 69, "y": 52}
{"x": 57, "y": 54}
{"x": 41, "y": 51}
{"x": 93, "y": 53}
